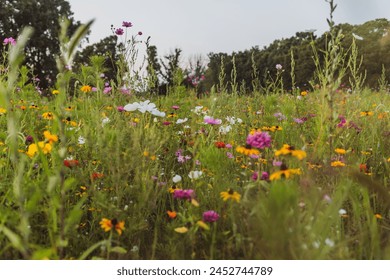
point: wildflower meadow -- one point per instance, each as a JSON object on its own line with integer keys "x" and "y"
{"x": 96, "y": 169}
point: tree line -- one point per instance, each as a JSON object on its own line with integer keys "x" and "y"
{"x": 244, "y": 71}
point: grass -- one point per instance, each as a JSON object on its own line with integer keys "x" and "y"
{"x": 103, "y": 183}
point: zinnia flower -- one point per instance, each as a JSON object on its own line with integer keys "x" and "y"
{"x": 210, "y": 216}
{"x": 259, "y": 140}
{"x": 108, "y": 225}
{"x": 184, "y": 194}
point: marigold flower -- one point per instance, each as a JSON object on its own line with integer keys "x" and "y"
{"x": 230, "y": 194}
{"x": 304, "y": 93}
{"x": 107, "y": 225}
{"x": 86, "y": 88}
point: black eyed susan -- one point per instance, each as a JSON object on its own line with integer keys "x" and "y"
{"x": 284, "y": 172}
{"x": 108, "y": 225}
{"x": 337, "y": 163}
{"x": 48, "y": 116}
{"x": 247, "y": 150}
{"x": 290, "y": 150}
{"x": 230, "y": 194}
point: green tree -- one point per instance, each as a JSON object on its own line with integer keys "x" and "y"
{"x": 153, "y": 67}
{"x": 43, "y": 16}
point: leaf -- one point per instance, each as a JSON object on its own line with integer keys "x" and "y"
{"x": 119, "y": 250}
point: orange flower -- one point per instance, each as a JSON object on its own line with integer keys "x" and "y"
{"x": 108, "y": 225}
{"x": 172, "y": 214}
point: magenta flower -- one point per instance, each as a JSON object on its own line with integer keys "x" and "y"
{"x": 10, "y": 41}
{"x": 184, "y": 194}
{"x": 126, "y": 24}
{"x": 259, "y": 140}
{"x": 120, "y": 109}
{"x": 264, "y": 176}
{"x": 175, "y": 107}
{"x": 210, "y": 216}
{"x": 210, "y": 120}
{"x": 255, "y": 176}
{"x": 342, "y": 122}
{"x": 139, "y": 33}
{"x": 119, "y": 31}
{"x": 107, "y": 90}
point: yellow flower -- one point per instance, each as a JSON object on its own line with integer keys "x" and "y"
{"x": 2, "y": 111}
{"x": 304, "y": 93}
{"x": 55, "y": 91}
{"x": 272, "y": 128}
{"x": 48, "y": 116}
{"x": 340, "y": 151}
{"x": 50, "y": 137}
{"x": 247, "y": 150}
{"x": 337, "y": 163}
{"x": 181, "y": 229}
{"x": 108, "y": 225}
{"x": 86, "y": 88}
{"x": 230, "y": 194}
{"x": 33, "y": 148}
{"x": 284, "y": 172}
{"x": 378, "y": 216}
{"x": 290, "y": 150}
{"x": 366, "y": 113}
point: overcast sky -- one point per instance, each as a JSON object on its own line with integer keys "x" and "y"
{"x": 203, "y": 26}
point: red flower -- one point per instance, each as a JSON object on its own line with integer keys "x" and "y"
{"x": 220, "y": 145}
{"x": 71, "y": 162}
{"x": 96, "y": 175}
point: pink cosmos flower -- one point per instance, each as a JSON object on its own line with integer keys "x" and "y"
{"x": 10, "y": 41}
{"x": 119, "y": 31}
{"x": 210, "y": 120}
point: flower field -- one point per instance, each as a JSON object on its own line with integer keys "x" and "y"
{"x": 90, "y": 170}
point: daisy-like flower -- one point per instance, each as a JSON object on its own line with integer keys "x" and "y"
{"x": 290, "y": 150}
{"x": 340, "y": 151}
{"x": 86, "y": 88}
{"x": 2, "y": 111}
{"x": 210, "y": 120}
{"x": 271, "y": 128}
{"x": 195, "y": 174}
{"x": 50, "y": 137}
{"x": 284, "y": 172}
{"x": 303, "y": 93}
{"x": 230, "y": 194}
{"x": 366, "y": 113}
{"x": 337, "y": 163}
{"x": 33, "y": 148}
{"x": 108, "y": 225}
{"x": 55, "y": 92}
{"x": 48, "y": 116}
{"x": 127, "y": 24}
{"x": 247, "y": 150}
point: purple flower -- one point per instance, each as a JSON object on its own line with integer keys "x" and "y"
{"x": 107, "y": 90}
{"x": 298, "y": 120}
{"x": 255, "y": 176}
{"x": 184, "y": 194}
{"x": 259, "y": 140}
{"x": 280, "y": 116}
{"x": 277, "y": 163}
{"x": 10, "y": 41}
{"x": 210, "y": 120}
{"x": 342, "y": 122}
{"x": 175, "y": 107}
{"x": 264, "y": 176}
{"x": 120, "y": 108}
{"x": 119, "y": 31}
{"x": 210, "y": 216}
{"x": 29, "y": 139}
{"x": 126, "y": 24}
{"x": 139, "y": 33}
{"x": 229, "y": 155}
{"x": 125, "y": 90}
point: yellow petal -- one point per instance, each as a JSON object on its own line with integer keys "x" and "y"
{"x": 203, "y": 225}
{"x": 181, "y": 229}
{"x": 194, "y": 202}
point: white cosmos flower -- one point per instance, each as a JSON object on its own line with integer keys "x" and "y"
{"x": 81, "y": 140}
{"x": 176, "y": 178}
{"x": 224, "y": 129}
{"x": 131, "y": 107}
{"x": 105, "y": 120}
{"x": 195, "y": 174}
{"x": 179, "y": 121}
